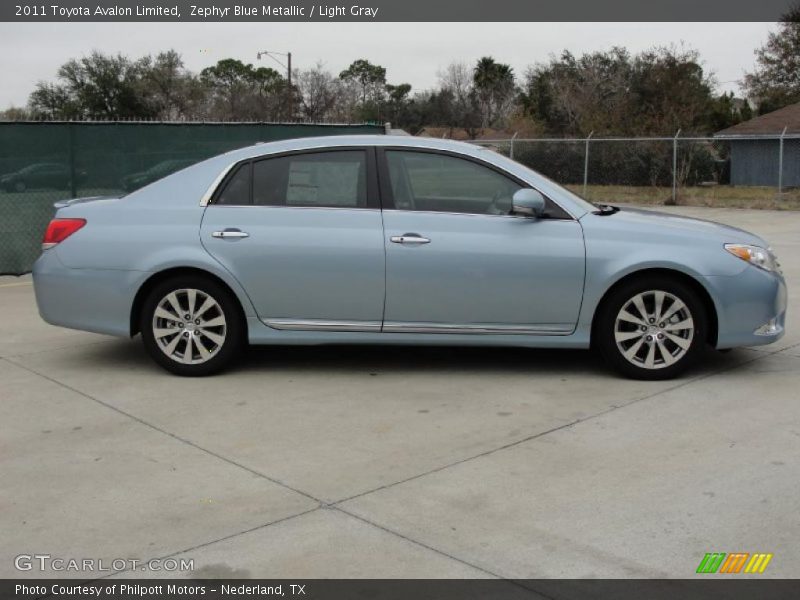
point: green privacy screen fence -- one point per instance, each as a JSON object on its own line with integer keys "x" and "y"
{"x": 41, "y": 163}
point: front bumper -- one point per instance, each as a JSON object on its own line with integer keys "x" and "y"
{"x": 751, "y": 307}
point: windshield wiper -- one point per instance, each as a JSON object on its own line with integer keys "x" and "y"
{"x": 605, "y": 209}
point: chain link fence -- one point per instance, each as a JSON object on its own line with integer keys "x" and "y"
{"x": 742, "y": 171}
{"x": 43, "y": 162}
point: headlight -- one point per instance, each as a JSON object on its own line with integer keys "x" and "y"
{"x": 763, "y": 258}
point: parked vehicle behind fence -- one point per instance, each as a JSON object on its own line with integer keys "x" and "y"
{"x": 41, "y": 175}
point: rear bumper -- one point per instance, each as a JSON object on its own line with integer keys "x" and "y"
{"x": 97, "y": 300}
{"x": 745, "y": 304}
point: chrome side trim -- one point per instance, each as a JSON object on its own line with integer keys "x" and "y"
{"x": 265, "y": 207}
{"x": 322, "y": 325}
{"x": 399, "y": 327}
{"x": 461, "y": 214}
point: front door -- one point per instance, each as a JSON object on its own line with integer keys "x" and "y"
{"x": 457, "y": 262}
{"x": 302, "y": 233}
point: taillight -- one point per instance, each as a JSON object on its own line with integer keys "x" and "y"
{"x": 60, "y": 229}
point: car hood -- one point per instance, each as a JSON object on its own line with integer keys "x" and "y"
{"x": 640, "y": 220}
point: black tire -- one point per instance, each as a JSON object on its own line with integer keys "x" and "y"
{"x": 20, "y": 187}
{"x": 608, "y": 328}
{"x": 233, "y": 331}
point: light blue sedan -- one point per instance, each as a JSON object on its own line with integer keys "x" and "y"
{"x": 399, "y": 240}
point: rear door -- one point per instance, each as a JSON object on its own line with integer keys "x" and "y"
{"x": 303, "y": 234}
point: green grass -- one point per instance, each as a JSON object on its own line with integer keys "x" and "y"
{"x": 718, "y": 196}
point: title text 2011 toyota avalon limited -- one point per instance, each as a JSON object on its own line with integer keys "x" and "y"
{"x": 399, "y": 240}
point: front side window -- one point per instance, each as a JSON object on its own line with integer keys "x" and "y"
{"x": 426, "y": 181}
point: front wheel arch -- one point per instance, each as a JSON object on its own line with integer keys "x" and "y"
{"x": 161, "y": 276}
{"x": 696, "y": 286}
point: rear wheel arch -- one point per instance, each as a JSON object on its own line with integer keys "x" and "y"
{"x": 161, "y": 276}
{"x": 674, "y": 275}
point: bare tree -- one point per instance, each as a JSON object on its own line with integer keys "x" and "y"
{"x": 14, "y": 113}
{"x": 455, "y": 105}
{"x": 319, "y": 92}
{"x": 346, "y": 109}
{"x": 457, "y": 78}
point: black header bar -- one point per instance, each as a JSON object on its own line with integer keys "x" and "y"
{"x": 393, "y": 10}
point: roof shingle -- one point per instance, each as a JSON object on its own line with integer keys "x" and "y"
{"x": 769, "y": 124}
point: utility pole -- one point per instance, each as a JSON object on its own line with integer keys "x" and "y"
{"x": 780, "y": 162}
{"x": 287, "y": 66}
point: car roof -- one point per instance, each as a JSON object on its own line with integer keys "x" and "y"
{"x": 333, "y": 141}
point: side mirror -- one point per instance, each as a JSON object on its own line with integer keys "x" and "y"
{"x": 528, "y": 203}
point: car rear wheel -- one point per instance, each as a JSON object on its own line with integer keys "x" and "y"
{"x": 652, "y": 328}
{"x": 192, "y": 326}
{"x": 20, "y": 186}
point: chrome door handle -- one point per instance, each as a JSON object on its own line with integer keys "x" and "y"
{"x": 409, "y": 238}
{"x": 230, "y": 233}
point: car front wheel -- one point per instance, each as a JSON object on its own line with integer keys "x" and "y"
{"x": 192, "y": 326}
{"x": 652, "y": 328}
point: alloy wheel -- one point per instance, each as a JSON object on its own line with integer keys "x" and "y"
{"x": 654, "y": 329}
{"x": 189, "y": 326}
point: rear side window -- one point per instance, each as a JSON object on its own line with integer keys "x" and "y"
{"x": 237, "y": 188}
{"x": 322, "y": 179}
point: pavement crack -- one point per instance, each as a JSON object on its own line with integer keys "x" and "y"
{"x": 416, "y": 542}
{"x": 167, "y": 433}
{"x": 216, "y": 541}
{"x": 760, "y": 356}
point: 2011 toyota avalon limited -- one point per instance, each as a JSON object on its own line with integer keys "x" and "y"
{"x": 399, "y": 240}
